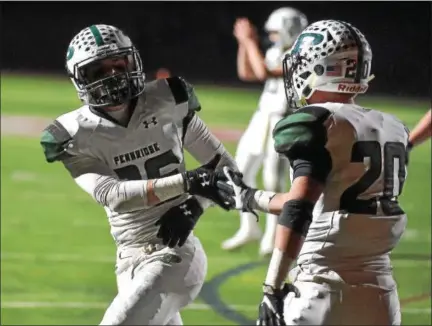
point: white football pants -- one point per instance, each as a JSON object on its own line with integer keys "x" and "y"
{"x": 337, "y": 303}
{"x": 256, "y": 148}
{"x": 155, "y": 287}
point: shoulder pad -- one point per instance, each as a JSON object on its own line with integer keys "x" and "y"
{"x": 54, "y": 140}
{"x": 302, "y": 133}
{"x": 183, "y": 92}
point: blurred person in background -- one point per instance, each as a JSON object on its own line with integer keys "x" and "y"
{"x": 125, "y": 148}
{"x": 255, "y": 147}
{"x": 341, "y": 219}
{"x": 422, "y": 131}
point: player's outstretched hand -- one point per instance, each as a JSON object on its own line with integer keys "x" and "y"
{"x": 243, "y": 195}
{"x": 270, "y": 311}
{"x": 205, "y": 181}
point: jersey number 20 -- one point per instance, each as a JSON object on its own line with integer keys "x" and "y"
{"x": 393, "y": 151}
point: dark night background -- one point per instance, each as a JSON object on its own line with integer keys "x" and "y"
{"x": 194, "y": 39}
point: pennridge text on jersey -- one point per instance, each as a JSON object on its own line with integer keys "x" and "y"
{"x": 136, "y": 154}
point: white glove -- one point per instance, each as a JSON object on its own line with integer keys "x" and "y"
{"x": 243, "y": 194}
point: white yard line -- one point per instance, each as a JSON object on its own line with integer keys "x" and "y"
{"x": 24, "y": 176}
{"x": 104, "y": 305}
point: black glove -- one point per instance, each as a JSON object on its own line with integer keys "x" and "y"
{"x": 271, "y": 308}
{"x": 178, "y": 222}
{"x": 208, "y": 183}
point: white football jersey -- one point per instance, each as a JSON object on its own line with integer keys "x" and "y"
{"x": 357, "y": 221}
{"x": 273, "y": 98}
{"x": 162, "y": 124}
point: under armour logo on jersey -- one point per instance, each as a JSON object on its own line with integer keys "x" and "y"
{"x": 152, "y": 121}
{"x": 184, "y": 209}
{"x": 205, "y": 180}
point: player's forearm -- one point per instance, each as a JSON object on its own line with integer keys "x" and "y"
{"x": 422, "y": 130}
{"x": 244, "y": 70}
{"x": 269, "y": 201}
{"x": 295, "y": 216}
{"x": 126, "y": 196}
{"x": 288, "y": 241}
{"x": 287, "y": 247}
{"x": 256, "y": 59}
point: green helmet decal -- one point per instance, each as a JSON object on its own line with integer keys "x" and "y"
{"x": 70, "y": 53}
{"x": 316, "y": 39}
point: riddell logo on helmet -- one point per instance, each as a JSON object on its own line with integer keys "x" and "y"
{"x": 104, "y": 49}
{"x": 351, "y": 88}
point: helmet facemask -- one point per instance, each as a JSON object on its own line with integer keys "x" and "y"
{"x": 290, "y": 64}
{"x": 104, "y": 66}
{"x": 101, "y": 90}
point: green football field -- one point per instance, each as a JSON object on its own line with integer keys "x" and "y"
{"x": 57, "y": 255}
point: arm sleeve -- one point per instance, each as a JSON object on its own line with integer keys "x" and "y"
{"x": 100, "y": 182}
{"x": 302, "y": 138}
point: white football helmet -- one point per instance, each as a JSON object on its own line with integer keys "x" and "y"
{"x": 87, "y": 49}
{"x": 288, "y": 22}
{"x": 329, "y": 56}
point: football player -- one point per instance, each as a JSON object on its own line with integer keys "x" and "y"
{"x": 256, "y": 145}
{"x": 341, "y": 218}
{"x": 422, "y": 131}
{"x": 124, "y": 147}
